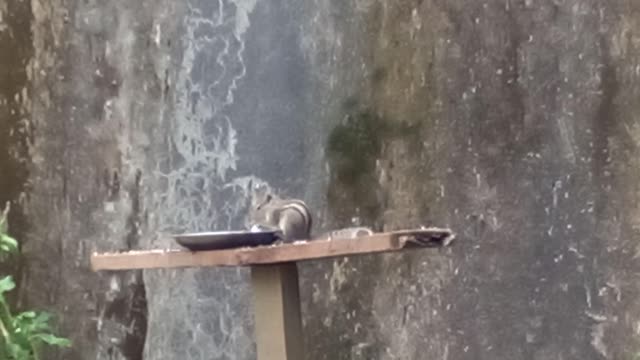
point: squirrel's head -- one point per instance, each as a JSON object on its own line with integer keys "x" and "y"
{"x": 261, "y": 196}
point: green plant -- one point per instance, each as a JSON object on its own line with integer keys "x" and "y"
{"x": 23, "y": 334}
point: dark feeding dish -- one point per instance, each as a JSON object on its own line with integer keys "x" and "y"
{"x": 219, "y": 240}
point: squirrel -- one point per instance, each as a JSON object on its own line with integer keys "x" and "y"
{"x": 291, "y": 219}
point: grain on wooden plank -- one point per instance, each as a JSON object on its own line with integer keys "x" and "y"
{"x": 299, "y": 251}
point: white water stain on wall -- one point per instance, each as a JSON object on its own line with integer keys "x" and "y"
{"x": 201, "y": 192}
{"x": 199, "y": 195}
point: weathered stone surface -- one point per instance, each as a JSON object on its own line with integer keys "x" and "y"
{"x": 511, "y": 121}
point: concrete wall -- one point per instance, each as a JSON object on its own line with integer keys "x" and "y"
{"x": 514, "y": 122}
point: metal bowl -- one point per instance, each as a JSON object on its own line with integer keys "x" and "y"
{"x": 219, "y": 240}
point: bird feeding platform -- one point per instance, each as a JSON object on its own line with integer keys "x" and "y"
{"x": 274, "y": 275}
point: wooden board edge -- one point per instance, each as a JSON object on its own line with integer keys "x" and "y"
{"x": 299, "y": 251}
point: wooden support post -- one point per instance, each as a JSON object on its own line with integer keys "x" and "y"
{"x": 278, "y": 324}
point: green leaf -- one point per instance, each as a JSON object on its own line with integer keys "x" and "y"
{"x": 41, "y": 321}
{"x": 4, "y": 249}
{"x": 6, "y": 284}
{"x": 18, "y": 352}
{"x": 30, "y": 322}
{"x": 52, "y": 340}
{"x": 10, "y": 243}
{"x": 27, "y": 314}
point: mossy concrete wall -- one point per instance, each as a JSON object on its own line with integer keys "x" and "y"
{"x": 514, "y": 122}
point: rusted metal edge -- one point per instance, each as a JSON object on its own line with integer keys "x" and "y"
{"x": 298, "y": 251}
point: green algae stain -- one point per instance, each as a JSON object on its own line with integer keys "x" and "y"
{"x": 353, "y": 147}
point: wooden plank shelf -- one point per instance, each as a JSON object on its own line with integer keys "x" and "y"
{"x": 298, "y": 251}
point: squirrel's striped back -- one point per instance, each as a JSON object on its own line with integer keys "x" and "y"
{"x": 302, "y": 208}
